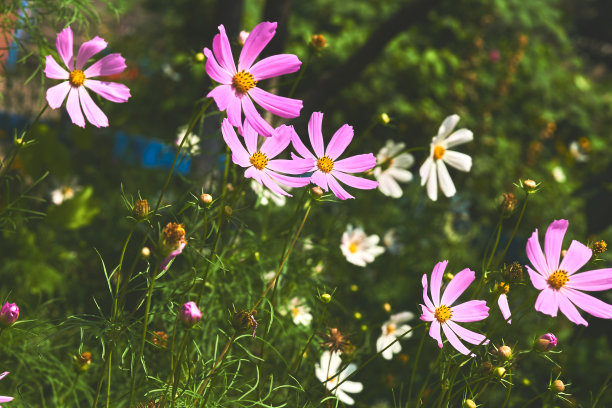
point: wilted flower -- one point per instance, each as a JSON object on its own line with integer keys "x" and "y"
{"x": 77, "y": 79}
{"x": 328, "y": 371}
{"x": 8, "y": 314}
{"x": 579, "y": 149}
{"x": 508, "y": 204}
{"x": 546, "y": 342}
{"x": 434, "y": 171}
{"x": 599, "y": 247}
{"x": 243, "y": 320}
{"x": 174, "y": 241}
{"x": 513, "y": 273}
{"x": 335, "y": 341}
{"x": 160, "y": 338}
{"x": 391, "y": 330}
{"x": 192, "y": 143}
{"x": 358, "y": 248}
{"x": 391, "y": 169}
{"x": 300, "y": 312}
{"x": 318, "y": 41}
{"x": 190, "y": 314}
{"x": 3, "y": 398}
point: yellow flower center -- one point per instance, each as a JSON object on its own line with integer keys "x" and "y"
{"x": 243, "y": 81}
{"x": 558, "y": 279}
{"x": 295, "y": 312}
{"x": 503, "y": 288}
{"x": 325, "y": 164}
{"x": 438, "y": 152}
{"x": 352, "y": 247}
{"x": 443, "y": 313}
{"x": 390, "y": 328}
{"x": 259, "y": 160}
{"x": 76, "y": 78}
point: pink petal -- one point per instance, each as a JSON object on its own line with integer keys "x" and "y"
{"x": 255, "y": 120}
{"x": 94, "y": 114}
{"x": 288, "y": 180}
{"x": 553, "y": 242}
{"x": 253, "y": 173}
{"x": 467, "y": 335}
{"x": 234, "y": 110}
{"x": 434, "y": 331}
{"x": 278, "y": 105}
{"x": 215, "y": 71}
{"x": 356, "y": 164}
{"x": 54, "y": 70}
{"x": 570, "y": 311}
{"x": 336, "y": 188}
{"x": 319, "y": 178}
{"x": 223, "y": 51}
{"x": 457, "y": 286}
{"x": 274, "y": 145}
{"x": 536, "y": 256}
{"x": 275, "y": 65}
{"x": 88, "y": 49}
{"x": 470, "y": 311}
{"x": 548, "y": 302}
{"x": 239, "y": 154}
{"x": 251, "y": 138}
{"x": 600, "y": 279}
{"x": 436, "y": 281}
{"x": 444, "y": 179}
{"x": 6, "y": 399}
{"x": 339, "y": 142}
{"x": 258, "y": 38}
{"x": 504, "y": 307}
{"x": 353, "y": 181}
{"x": 537, "y": 280}
{"x": 112, "y": 91}
{"x": 268, "y": 182}
{"x": 73, "y": 106}
{"x": 299, "y": 146}
{"x": 164, "y": 265}
{"x": 426, "y": 299}
{"x": 314, "y": 132}
{"x": 64, "y": 48}
{"x": 4, "y": 374}
{"x": 223, "y": 95}
{"x": 56, "y": 94}
{"x": 576, "y": 257}
{"x": 428, "y": 315}
{"x": 109, "y": 65}
{"x": 589, "y": 303}
{"x": 295, "y": 166}
{"x": 454, "y": 340}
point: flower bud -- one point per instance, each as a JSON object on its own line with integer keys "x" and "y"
{"x": 557, "y": 386}
{"x": 513, "y": 273}
{"x": 200, "y": 57}
{"x": 546, "y": 342}
{"x": 243, "y": 320}
{"x": 82, "y": 361}
{"x": 357, "y": 315}
{"x": 448, "y": 277}
{"x": 8, "y": 314}
{"x": 499, "y": 372}
{"x": 387, "y": 307}
{"x": 228, "y": 210}
{"x": 599, "y": 247}
{"x": 206, "y": 200}
{"x": 326, "y": 298}
{"x": 190, "y": 314}
{"x": 160, "y": 339}
{"x": 468, "y": 403}
{"x": 318, "y": 41}
{"x": 508, "y": 205}
{"x": 354, "y": 288}
{"x": 316, "y": 192}
{"x": 529, "y": 185}
{"x": 505, "y": 352}
{"x": 364, "y": 327}
{"x": 141, "y": 209}
{"x": 145, "y": 252}
{"x": 384, "y": 118}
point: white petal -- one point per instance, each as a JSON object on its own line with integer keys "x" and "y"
{"x": 432, "y": 183}
{"x": 400, "y": 174}
{"x": 425, "y": 170}
{"x": 459, "y": 137}
{"x": 447, "y": 126}
{"x": 446, "y": 183}
{"x": 389, "y": 187}
{"x": 460, "y": 161}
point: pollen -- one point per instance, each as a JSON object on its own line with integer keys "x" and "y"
{"x": 325, "y": 164}
{"x": 443, "y": 313}
{"x": 438, "y": 152}
{"x": 558, "y": 279}
{"x": 243, "y": 81}
{"x": 76, "y": 78}
{"x": 259, "y": 160}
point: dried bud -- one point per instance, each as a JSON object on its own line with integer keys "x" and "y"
{"x": 508, "y": 205}
{"x": 468, "y": 403}
{"x": 384, "y": 118}
{"x": 318, "y": 41}
{"x": 206, "y": 200}
{"x": 505, "y": 352}
{"x": 513, "y": 273}
{"x": 82, "y": 361}
{"x": 335, "y": 341}
{"x": 243, "y": 320}
{"x": 190, "y": 314}
{"x": 141, "y": 209}
{"x": 316, "y": 192}
{"x": 499, "y": 372}
{"x": 160, "y": 338}
{"x": 228, "y": 210}
{"x": 557, "y": 386}
{"x": 173, "y": 235}
{"x": 199, "y": 57}
{"x": 448, "y": 277}
{"x": 8, "y": 314}
{"x": 599, "y": 247}
{"x": 546, "y": 342}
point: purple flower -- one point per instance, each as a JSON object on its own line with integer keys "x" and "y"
{"x": 546, "y": 342}
{"x": 259, "y": 162}
{"x": 2, "y": 398}
{"x": 325, "y": 164}
{"x": 441, "y": 313}
{"x": 78, "y": 79}
{"x": 190, "y": 314}
{"x": 561, "y": 287}
{"x": 238, "y": 86}
{"x": 8, "y": 315}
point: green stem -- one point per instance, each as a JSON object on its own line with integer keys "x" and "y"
{"x": 300, "y": 75}
{"x": 178, "y": 367}
{"x": 499, "y": 228}
{"x": 217, "y": 363}
{"x": 108, "y": 380}
{"x": 518, "y": 223}
{"x": 416, "y": 362}
{"x": 509, "y": 388}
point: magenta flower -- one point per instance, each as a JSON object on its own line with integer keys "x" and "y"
{"x": 327, "y": 169}
{"x": 78, "y": 79}
{"x": 8, "y": 314}
{"x": 504, "y": 307}
{"x": 441, "y": 313}
{"x": 190, "y": 314}
{"x": 258, "y": 161}
{"x": 559, "y": 284}
{"x": 3, "y": 398}
{"x": 238, "y": 86}
{"x": 546, "y": 342}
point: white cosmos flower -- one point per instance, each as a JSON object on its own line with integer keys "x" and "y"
{"x": 391, "y": 330}
{"x": 192, "y": 144}
{"x": 434, "y": 169}
{"x": 64, "y": 192}
{"x": 393, "y": 168}
{"x": 358, "y": 248}
{"x": 326, "y": 372}
{"x": 265, "y": 196}
{"x": 300, "y": 311}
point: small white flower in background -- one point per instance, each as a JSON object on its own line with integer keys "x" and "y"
{"x": 64, "y": 192}
{"x": 326, "y": 372}
{"x": 392, "y": 169}
{"x": 192, "y": 144}
{"x": 579, "y": 149}
{"x": 265, "y": 195}
{"x": 242, "y": 37}
{"x": 358, "y": 248}
{"x": 558, "y": 174}
{"x": 391, "y": 330}
{"x": 434, "y": 171}
{"x": 300, "y": 311}
{"x": 391, "y": 241}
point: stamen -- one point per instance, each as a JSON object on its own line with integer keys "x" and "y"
{"x": 438, "y": 152}
{"x": 325, "y": 164}
{"x": 243, "y": 81}
{"x": 76, "y": 78}
{"x": 443, "y": 313}
{"x": 352, "y": 248}
{"x": 259, "y": 160}
{"x": 391, "y": 328}
{"x": 558, "y": 279}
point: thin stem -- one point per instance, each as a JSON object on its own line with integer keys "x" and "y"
{"x": 217, "y": 363}
{"x": 518, "y": 222}
{"x": 509, "y": 388}
{"x": 108, "y": 380}
{"x": 301, "y": 74}
{"x": 178, "y": 367}
{"x": 499, "y": 228}
{"x": 416, "y": 362}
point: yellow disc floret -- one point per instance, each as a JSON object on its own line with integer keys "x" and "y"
{"x": 443, "y": 313}
{"x": 558, "y": 279}
{"x": 438, "y": 152}
{"x": 325, "y": 164}
{"x": 243, "y": 81}
{"x": 76, "y": 78}
{"x": 259, "y": 160}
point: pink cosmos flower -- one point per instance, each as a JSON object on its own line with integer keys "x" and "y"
{"x": 3, "y": 398}
{"x": 442, "y": 314}
{"x": 239, "y": 85}
{"x": 327, "y": 169}
{"x": 258, "y": 161}
{"x": 560, "y": 285}
{"x": 164, "y": 264}
{"x": 78, "y": 79}
{"x": 504, "y": 307}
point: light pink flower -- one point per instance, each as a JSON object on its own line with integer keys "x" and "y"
{"x": 258, "y": 161}
{"x": 238, "y": 86}
{"x": 442, "y": 314}
{"x": 504, "y": 307}
{"x": 3, "y": 398}
{"x": 560, "y": 285}
{"x": 327, "y": 169}
{"x": 78, "y": 79}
